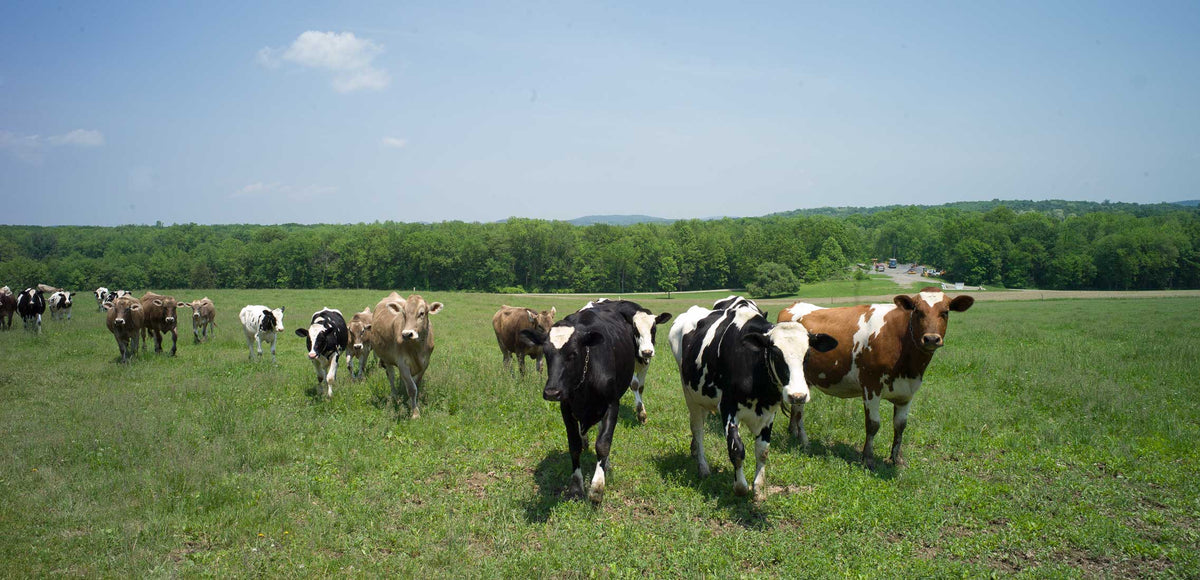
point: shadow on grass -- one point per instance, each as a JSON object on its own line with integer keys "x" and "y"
{"x": 742, "y": 510}
{"x": 551, "y": 478}
{"x": 841, "y": 450}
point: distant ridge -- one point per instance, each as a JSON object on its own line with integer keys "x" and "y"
{"x": 619, "y": 220}
{"x": 1189, "y": 203}
{"x": 1058, "y": 207}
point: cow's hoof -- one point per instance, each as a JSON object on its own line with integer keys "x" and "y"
{"x": 740, "y": 489}
{"x": 869, "y": 463}
{"x": 899, "y": 462}
{"x": 641, "y": 415}
{"x": 760, "y": 493}
{"x": 596, "y": 496}
{"x": 703, "y": 471}
{"x": 416, "y": 414}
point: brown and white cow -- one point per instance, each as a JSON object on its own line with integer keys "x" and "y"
{"x": 158, "y": 318}
{"x": 360, "y": 342}
{"x": 508, "y": 322}
{"x": 882, "y": 353}
{"x": 402, "y": 338}
{"x": 124, "y": 321}
{"x": 204, "y": 315}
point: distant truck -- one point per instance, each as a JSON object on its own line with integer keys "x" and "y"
{"x": 892, "y": 263}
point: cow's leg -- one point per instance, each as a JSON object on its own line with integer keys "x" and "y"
{"x": 120, "y": 347}
{"x": 762, "y": 444}
{"x": 638, "y": 383}
{"x": 871, "y": 410}
{"x": 39, "y": 324}
{"x": 796, "y": 425}
{"x": 391, "y": 375}
{"x": 899, "y": 419}
{"x": 133, "y": 340}
{"x": 507, "y": 361}
{"x": 196, "y": 333}
{"x": 575, "y": 445}
{"x": 411, "y": 383}
{"x": 333, "y": 364}
{"x": 539, "y": 356}
{"x": 174, "y": 340}
{"x": 272, "y": 350}
{"x": 520, "y": 362}
{"x": 697, "y": 415}
{"x": 604, "y": 437}
{"x": 737, "y": 452}
{"x": 158, "y": 339}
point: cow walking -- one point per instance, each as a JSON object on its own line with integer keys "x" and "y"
{"x": 204, "y": 316}
{"x": 326, "y": 339}
{"x": 261, "y": 324}
{"x": 101, "y": 295}
{"x": 508, "y": 322}
{"x": 31, "y": 305}
{"x": 360, "y": 342}
{"x": 124, "y": 321}
{"x": 158, "y": 318}
{"x": 883, "y": 352}
{"x": 60, "y": 304}
{"x": 8, "y": 307}
{"x": 734, "y": 362}
{"x": 402, "y": 339}
{"x": 644, "y": 326}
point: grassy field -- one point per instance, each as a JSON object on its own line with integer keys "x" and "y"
{"x": 1055, "y": 438}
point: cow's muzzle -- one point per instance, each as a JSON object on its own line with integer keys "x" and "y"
{"x": 170, "y": 319}
{"x": 119, "y": 322}
{"x": 797, "y": 396}
{"x": 312, "y": 355}
{"x": 931, "y": 341}
{"x": 647, "y": 355}
{"x": 554, "y": 394}
{"x": 409, "y": 334}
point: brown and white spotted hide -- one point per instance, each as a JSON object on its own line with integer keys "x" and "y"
{"x": 158, "y": 318}
{"x": 402, "y": 339}
{"x": 204, "y": 316}
{"x": 124, "y": 321}
{"x": 882, "y": 353}
{"x": 360, "y": 341}
{"x": 508, "y": 322}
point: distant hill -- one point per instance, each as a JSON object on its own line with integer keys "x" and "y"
{"x": 619, "y": 220}
{"x": 1189, "y": 203}
{"x": 1059, "y": 207}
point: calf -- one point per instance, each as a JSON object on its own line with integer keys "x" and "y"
{"x": 31, "y": 305}
{"x": 326, "y": 339}
{"x": 60, "y": 304}
{"x": 360, "y": 341}
{"x": 883, "y": 352}
{"x": 8, "y": 307}
{"x": 644, "y": 326}
{"x": 734, "y": 362}
{"x": 402, "y": 339}
{"x": 261, "y": 324}
{"x": 124, "y": 321}
{"x": 158, "y": 318}
{"x": 101, "y": 294}
{"x": 590, "y": 357}
{"x": 204, "y": 315}
{"x": 508, "y": 322}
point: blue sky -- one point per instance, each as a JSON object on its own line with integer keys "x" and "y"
{"x": 115, "y": 113}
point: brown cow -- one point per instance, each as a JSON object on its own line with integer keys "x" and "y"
{"x": 508, "y": 322}
{"x": 124, "y": 321}
{"x": 402, "y": 338}
{"x": 158, "y": 318}
{"x": 204, "y": 314}
{"x": 360, "y": 342}
{"x": 882, "y": 353}
{"x": 8, "y": 307}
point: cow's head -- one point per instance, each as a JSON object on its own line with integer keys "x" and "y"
{"x": 360, "y": 332}
{"x": 194, "y": 305}
{"x": 320, "y": 336}
{"x": 733, "y": 302}
{"x": 929, "y": 313}
{"x": 101, "y": 293}
{"x": 122, "y": 312}
{"x": 272, "y": 320}
{"x": 542, "y": 320}
{"x": 64, "y": 299}
{"x": 784, "y": 348}
{"x": 413, "y": 314}
{"x": 6, "y": 291}
{"x": 567, "y": 348}
{"x": 645, "y": 326}
{"x": 168, "y": 305}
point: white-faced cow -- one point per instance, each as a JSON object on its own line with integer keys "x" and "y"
{"x": 360, "y": 341}
{"x": 882, "y": 354}
{"x": 508, "y": 322}
{"x": 31, "y": 305}
{"x": 402, "y": 339}
{"x": 590, "y": 357}
{"x": 158, "y": 318}
{"x": 644, "y": 325}
{"x": 100, "y": 293}
{"x": 60, "y": 304}
{"x": 261, "y": 324}
{"x": 124, "y": 321}
{"x": 737, "y": 364}
{"x": 326, "y": 338}
{"x": 8, "y": 307}
{"x": 204, "y": 315}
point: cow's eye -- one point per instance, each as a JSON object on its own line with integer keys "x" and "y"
{"x": 945, "y": 315}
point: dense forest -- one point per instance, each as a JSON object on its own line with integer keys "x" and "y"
{"x": 1060, "y": 245}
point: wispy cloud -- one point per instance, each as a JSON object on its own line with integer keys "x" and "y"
{"x": 283, "y": 191}
{"x": 32, "y": 148}
{"x": 393, "y": 142}
{"x": 348, "y": 57}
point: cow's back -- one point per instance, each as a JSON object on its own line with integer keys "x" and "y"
{"x": 508, "y": 322}
{"x": 868, "y": 346}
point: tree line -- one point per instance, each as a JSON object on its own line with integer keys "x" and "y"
{"x": 1092, "y": 247}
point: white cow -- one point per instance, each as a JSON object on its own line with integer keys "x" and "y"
{"x": 261, "y": 324}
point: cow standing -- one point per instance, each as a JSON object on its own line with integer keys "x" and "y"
{"x": 508, "y": 322}
{"x": 644, "y": 325}
{"x": 101, "y": 294}
{"x": 158, "y": 318}
{"x": 124, "y": 321}
{"x": 590, "y": 357}
{"x": 31, "y": 305}
{"x": 204, "y": 315}
{"x": 734, "y": 362}
{"x": 402, "y": 339}
{"x": 883, "y": 353}
{"x": 326, "y": 339}
{"x": 60, "y": 305}
{"x": 261, "y": 324}
{"x": 8, "y": 307}
{"x": 360, "y": 342}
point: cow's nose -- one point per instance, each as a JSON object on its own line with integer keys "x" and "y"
{"x": 312, "y": 355}
{"x": 798, "y": 398}
{"x": 119, "y": 322}
{"x": 932, "y": 340}
{"x": 552, "y": 394}
{"x": 647, "y": 353}
{"x": 170, "y": 319}
{"x": 195, "y": 315}
{"x": 410, "y": 334}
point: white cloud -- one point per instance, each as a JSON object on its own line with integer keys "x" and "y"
{"x": 345, "y": 55}
{"x": 32, "y": 148}
{"x": 283, "y": 191}
{"x": 393, "y": 142}
{"x": 79, "y": 137}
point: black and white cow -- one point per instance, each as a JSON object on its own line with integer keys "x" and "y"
{"x": 260, "y": 324}
{"x": 644, "y": 325}
{"x": 109, "y": 297}
{"x": 101, "y": 295}
{"x": 590, "y": 357}
{"x": 734, "y": 362}
{"x": 60, "y": 304}
{"x": 326, "y": 338}
{"x": 31, "y": 305}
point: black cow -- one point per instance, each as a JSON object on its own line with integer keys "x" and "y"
{"x": 644, "y": 325}
{"x": 589, "y": 359}
{"x": 734, "y": 362}
{"x": 326, "y": 338}
{"x": 31, "y": 305}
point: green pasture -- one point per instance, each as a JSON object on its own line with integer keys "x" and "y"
{"x": 1055, "y": 438}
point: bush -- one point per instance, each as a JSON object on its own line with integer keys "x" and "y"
{"x": 510, "y": 290}
{"x": 771, "y": 279}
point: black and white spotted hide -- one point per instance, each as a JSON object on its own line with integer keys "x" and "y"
{"x": 31, "y": 305}
{"x": 327, "y": 338}
{"x": 60, "y": 305}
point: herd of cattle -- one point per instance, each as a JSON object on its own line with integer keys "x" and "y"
{"x": 731, "y": 359}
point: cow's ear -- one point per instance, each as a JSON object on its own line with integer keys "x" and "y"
{"x": 756, "y": 342}
{"x": 106, "y": 306}
{"x": 961, "y": 303}
{"x": 821, "y": 342}
{"x": 182, "y": 305}
{"x": 553, "y": 311}
{"x": 135, "y": 306}
{"x": 300, "y": 332}
{"x": 435, "y": 308}
{"x": 267, "y": 313}
{"x": 904, "y": 302}
{"x": 532, "y": 315}
{"x": 158, "y": 302}
{"x": 591, "y": 339}
{"x": 587, "y": 316}
{"x": 532, "y": 338}
{"x": 662, "y": 317}
{"x": 281, "y": 308}
{"x": 395, "y": 307}
{"x": 366, "y": 327}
